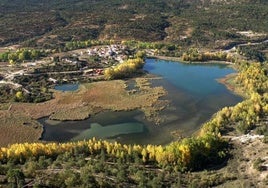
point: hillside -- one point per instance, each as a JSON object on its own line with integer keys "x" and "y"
{"x": 101, "y": 49}
{"x": 209, "y": 23}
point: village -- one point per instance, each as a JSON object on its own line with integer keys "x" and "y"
{"x": 35, "y": 78}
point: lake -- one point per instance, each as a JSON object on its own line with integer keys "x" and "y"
{"x": 194, "y": 95}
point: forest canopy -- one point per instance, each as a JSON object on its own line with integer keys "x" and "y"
{"x": 185, "y": 22}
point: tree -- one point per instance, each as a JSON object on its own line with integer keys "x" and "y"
{"x": 12, "y": 62}
{"x": 24, "y": 55}
{"x": 87, "y": 179}
{"x": 109, "y": 73}
{"x": 140, "y": 177}
{"x": 140, "y": 54}
{"x": 19, "y": 96}
{"x": 15, "y": 177}
{"x": 144, "y": 155}
{"x": 35, "y": 54}
{"x": 72, "y": 178}
{"x": 4, "y": 56}
{"x": 12, "y": 56}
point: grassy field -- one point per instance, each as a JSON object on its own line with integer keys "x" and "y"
{"x": 17, "y": 128}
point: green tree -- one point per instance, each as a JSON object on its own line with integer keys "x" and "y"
{"x": 15, "y": 177}
{"x": 87, "y": 179}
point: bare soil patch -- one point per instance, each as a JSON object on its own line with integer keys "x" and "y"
{"x": 244, "y": 156}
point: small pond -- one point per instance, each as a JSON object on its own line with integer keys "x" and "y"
{"x": 195, "y": 96}
{"x": 67, "y": 87}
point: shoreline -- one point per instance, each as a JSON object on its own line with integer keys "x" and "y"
{"x": 60, "y": 107}
{"x": 232, "y": 87}
{"x": 169, "y": 58}
{"x": 225, "y": 80}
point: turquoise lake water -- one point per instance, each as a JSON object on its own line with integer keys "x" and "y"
{"x": 194, "y": 95}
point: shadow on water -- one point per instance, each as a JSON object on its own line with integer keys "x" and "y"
{"x": 194, "y": 96}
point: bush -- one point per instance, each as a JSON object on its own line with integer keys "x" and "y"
{"x": 265, "y": 139}
{"x": 242, "y": 127}
{"x": 257, "y": 164}
{"x": 262, "y": 130}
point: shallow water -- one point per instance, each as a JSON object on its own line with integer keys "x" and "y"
{"x": 194, "y": 96}
{"x": 103, "y": 125}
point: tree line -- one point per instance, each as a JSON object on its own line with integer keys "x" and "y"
{"x": 194, "y": 54}
{"x": 124, "y": 69}
{"x": 22, "y": 55}
{"x": 189, "y": 154}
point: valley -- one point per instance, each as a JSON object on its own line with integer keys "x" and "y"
{"x": 133, "y": 93}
